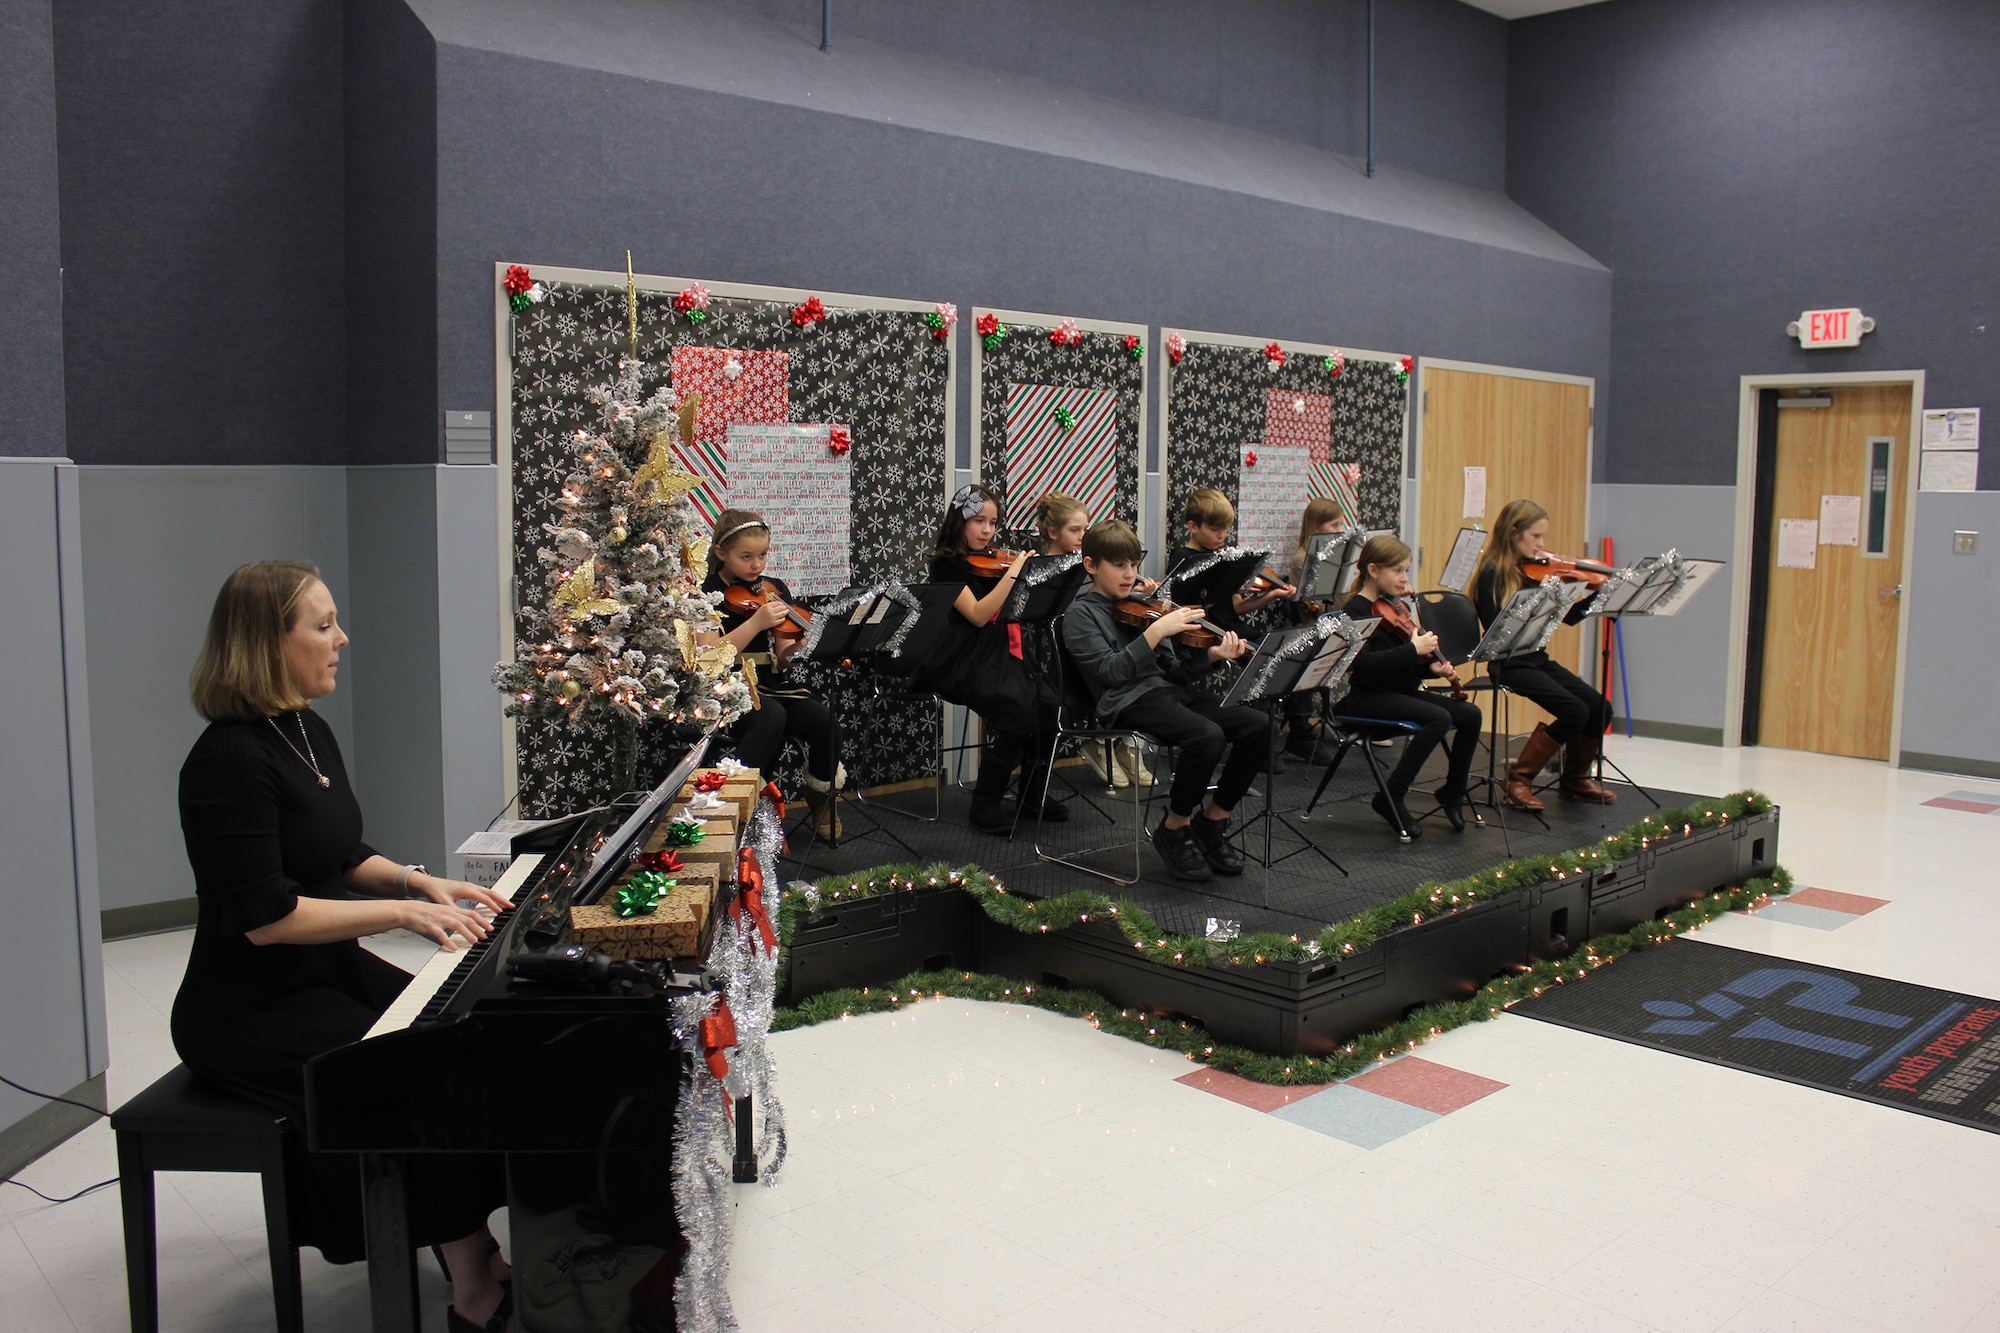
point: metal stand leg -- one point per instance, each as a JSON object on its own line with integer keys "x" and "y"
{"x": 743, "y": 1170}
{"x": 392, "y": 1259}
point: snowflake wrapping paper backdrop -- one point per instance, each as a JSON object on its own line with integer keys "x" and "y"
{"x": 1221, "y": 397}
{"x": 878, "y": 370}
{"x": 1098, "y": 361}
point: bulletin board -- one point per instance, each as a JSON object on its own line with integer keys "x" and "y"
{"x": 1272, "y": 422}
{"x": 877, "y": 370}
{"x": 1062, "y": 407}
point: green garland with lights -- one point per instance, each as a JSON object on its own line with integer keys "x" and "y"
{"x": 1172, "y": 1034}
{"x": 1079, "y": 906}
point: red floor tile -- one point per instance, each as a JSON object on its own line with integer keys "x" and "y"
{"x": 1256, "y": 1096}
{"x": 1418, "y": 1082}
{"x": 1855, "y": 904}
{"x": 1953, "y": 803}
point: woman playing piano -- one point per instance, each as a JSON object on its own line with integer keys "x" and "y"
{"x": 286, "y": 890}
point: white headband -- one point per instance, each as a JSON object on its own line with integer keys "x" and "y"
{"x": 722, "y": 537}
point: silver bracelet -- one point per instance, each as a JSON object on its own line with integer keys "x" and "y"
{"x": 403, "y": 880}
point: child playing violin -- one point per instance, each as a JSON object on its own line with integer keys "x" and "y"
{"x": 1136, "y": 680}
{"x": 1209, "y": 516}
{"x": 1061, "y": 520}
{"x": 1388, "y": 680}
{"x": 736, "y": 558}
{"x": 1581, "y": 713}
{"x": 988, "y": 674}
{"x": 1321, "y": 516}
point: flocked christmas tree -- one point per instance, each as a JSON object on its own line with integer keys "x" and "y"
{"x": 625, "y": 636}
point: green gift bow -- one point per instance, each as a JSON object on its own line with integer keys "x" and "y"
{"x": 642, "y": 893}
{"x": 684, "y": 833}
{"x": 1065, "y": 418}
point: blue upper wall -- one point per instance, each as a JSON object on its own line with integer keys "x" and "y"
{"x": 1737, "y": 161}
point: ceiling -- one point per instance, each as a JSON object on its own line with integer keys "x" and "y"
{"x": 1521, "y": 9}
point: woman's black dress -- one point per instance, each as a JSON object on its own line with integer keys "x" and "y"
{"x": 260, "y": 833}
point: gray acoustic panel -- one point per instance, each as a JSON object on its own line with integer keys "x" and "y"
{"x": 468, "y": 438}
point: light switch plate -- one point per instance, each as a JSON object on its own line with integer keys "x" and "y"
{"x": 1965, "y": 543}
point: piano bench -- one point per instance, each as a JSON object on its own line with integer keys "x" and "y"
{"x": 181, "y": 1124}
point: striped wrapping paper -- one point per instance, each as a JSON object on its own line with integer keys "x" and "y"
{"x": 1043, "y": 456}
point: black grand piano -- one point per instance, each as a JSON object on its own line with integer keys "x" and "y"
{"x": 573, "y": 1078}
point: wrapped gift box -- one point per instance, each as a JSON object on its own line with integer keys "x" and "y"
{"x": 717, "y": 847}
{"x": 739, "y": 789}
{"x": 678, "y": 928}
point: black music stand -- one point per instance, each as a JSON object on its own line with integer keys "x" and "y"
{"x": 907, "y": 627}
{"x": 1525, "y": 625}
{"x": 1266, "y": 678}
{"x": 1209, "y": 579}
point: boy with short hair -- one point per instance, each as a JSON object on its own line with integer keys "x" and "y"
{"x": 1137, "y": 681}
{"x": 1209, "y": 516}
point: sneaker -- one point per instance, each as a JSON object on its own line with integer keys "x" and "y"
{"x": 1102, "y": 762}
{"x": 1177, "y": 847}
{"x": 1132, "y": 759}
{"x": 1212, "y": 837}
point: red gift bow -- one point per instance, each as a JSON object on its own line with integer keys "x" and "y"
{"x": 750, "y": 895}
{"x": 839, "y": 440}
{"x": 1409, "y": 364}
{"x": 518, "y": 280}
{"x": 691, "y": 298}
{"x": 1250, "y": 459}
{"x": 1274, "y": 353}
{"x": 941, "y": 332}
{"x": 776, "y": 797}
{"x": 712, "y": 780}
{"x": 718, "y": 1035}
{"x": 811, "y": 312}
{"x": 1066, "y": 334}
{"x": 664, "y": 861}
{"x": 1131, "y": 341}
{"x": 987, "y": 325}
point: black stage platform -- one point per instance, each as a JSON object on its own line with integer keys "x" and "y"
{"x": 1300, "y": 894}
{"x": 1278, "y": 1005}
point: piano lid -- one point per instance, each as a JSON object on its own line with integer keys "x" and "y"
{"x": 619, "y": 848}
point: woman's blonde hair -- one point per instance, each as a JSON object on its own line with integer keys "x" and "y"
{"x": 1319, "y": 511}
{"x": 1499, "y": 554}
{"x": 1053, "y": 511}
{"x": 241, "y": 675}
{"x": 1381, "y": 549}
{"x": 731, "y": 526}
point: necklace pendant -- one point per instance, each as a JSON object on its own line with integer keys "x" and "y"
{"x": 323, "y": 781}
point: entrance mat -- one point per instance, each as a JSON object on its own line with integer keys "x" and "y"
{"x": 1930, "y": 1051}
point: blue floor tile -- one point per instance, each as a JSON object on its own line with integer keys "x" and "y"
{"x": 1353, "y": 1116}
{"x": 1799, "y": 914}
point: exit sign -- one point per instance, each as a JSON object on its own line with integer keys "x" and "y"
{"x": 1830, "y": 328}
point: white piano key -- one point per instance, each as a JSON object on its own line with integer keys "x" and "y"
{"x": 405, "y": 1008}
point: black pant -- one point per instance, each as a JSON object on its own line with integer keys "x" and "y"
{"x": 1434, "y": 714}
{"x": 1202, "y": 727}
{"x": 1017, "y": 736}
{"x": 1577, "y": 707}
{"x": 760, "y": 734}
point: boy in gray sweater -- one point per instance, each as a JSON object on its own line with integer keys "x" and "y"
{"x": 1136, "y": 681}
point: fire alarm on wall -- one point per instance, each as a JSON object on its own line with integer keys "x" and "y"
{"x": 1830, "y": 328}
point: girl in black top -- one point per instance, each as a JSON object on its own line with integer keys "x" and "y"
{"x": 985, "y": 670}
{"x": 1388, "y": 684}
{"x": 1581, "y": 713}
{"x": 277, "y": 973}
{"x": 737, "y": 556}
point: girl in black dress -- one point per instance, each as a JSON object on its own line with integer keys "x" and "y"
{"x": 1581, "y": 713}
{"x": 985, "y": 670}
{"x": 736, "y": 557}
{"x": 1388, "y": 684}
{"x": 286, "y": 891}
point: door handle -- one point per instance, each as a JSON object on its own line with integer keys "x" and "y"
{"x": 1896, "y": 591}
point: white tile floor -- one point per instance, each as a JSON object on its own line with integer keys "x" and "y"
{"x": 964, "y": 1166}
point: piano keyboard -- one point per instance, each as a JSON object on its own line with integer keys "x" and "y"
{"x": 429, "y": 983}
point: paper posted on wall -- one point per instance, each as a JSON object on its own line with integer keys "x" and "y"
{"x": 1840, "y": 520}
{"x": 1798, "y": 543}
{"x": 1475, "y": 493}
{"x": 799, "y": 482}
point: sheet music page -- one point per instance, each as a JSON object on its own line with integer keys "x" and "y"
{"x": 1464, "y": 559}
{"x": 1699, "y": 572}
{"x": 792, "y": 476}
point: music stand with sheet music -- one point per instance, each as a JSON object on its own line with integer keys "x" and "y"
{"x": 1215, "y": 583}
{"x": 1463, "y": 561}
{"x": 1330, "y": 564}
{"x": 1525, "y": 625}
{"x": 1269, "y": 675}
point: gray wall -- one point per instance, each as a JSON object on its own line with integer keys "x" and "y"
{"x": 51, "y": 966}
{"x": 1949, "y": 721}
{"x": 1737, "y": 161}
{"x": 31, "y": 392}
{"x": 1293, "y": 69}
{"x": 201, "y": 150}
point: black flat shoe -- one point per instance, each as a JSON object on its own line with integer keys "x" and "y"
{"x": 991, "y": 817}
{"x": 1452, "y": 803}
{"x": 1380, "y": 805}
{"x": 455, "y": 1322}
{"x": 1055, "y": 812}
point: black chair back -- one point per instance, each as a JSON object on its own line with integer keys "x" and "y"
{"x": 1453, "y": 618}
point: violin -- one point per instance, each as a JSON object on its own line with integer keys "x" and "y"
{"x": 1140, "y": 614}
{"x": 747, "y": 599}
{"x": 1264, "y": 580}
{"x": 1546, "y": 565}
{"x": 1400, "y": 622}
{"x": 991, "y": 563}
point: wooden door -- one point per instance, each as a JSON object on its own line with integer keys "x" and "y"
{"x": 1830, "y": 632}
{"x": 1533, "y": 439}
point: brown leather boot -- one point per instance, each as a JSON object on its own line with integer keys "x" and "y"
{"x": 1577, "y": 782}
{"x": 1534, "y": 757}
